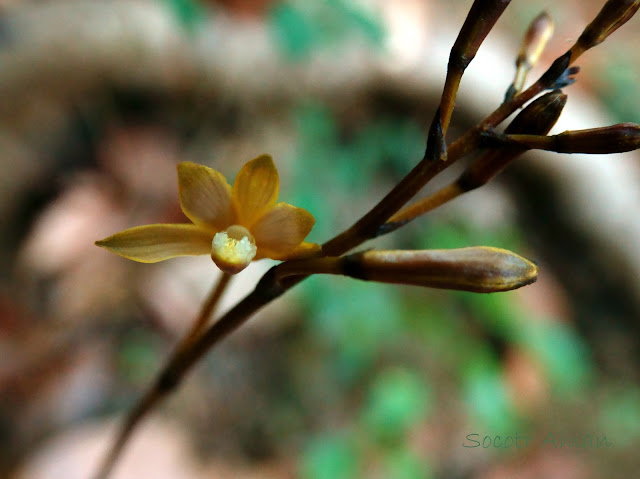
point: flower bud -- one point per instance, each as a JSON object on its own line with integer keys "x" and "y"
{"x": 479, "y": 269}
{"x": 536, "y": 119}
{"x": 609, "y": 139}
{"x": 480, "y": 20}
{"x": 535, "y": 40}
{"x": 540, "y": 115}
{"x": 533, "y": 44}
{"x": 613, "y": 15}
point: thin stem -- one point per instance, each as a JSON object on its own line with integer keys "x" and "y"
{"x": 145, "y": 404}
{"x": 307, "y": 267}
{"x": 367, "y": 227}
{"x": 267, "y": 289}
{"x": 156, "y": 392}
{"x": 429, "y": 203}
{"x": 208, "y": 309}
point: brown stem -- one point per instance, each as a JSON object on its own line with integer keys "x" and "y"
{"x": 427, "y": 204}
{"x": 157, "y": 392}
{"x": 208, "y": 309}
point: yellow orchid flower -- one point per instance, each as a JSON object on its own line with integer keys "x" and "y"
{"x": 235, "y": 225}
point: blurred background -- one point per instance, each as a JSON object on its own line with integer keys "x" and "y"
{"x": 338, "y": 379}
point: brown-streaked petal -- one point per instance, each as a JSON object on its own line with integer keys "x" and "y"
{"x": 282, "y": 228}
{"x": 153, "y": 243}
{"x": 255, "y": 189}
{"x": 303, "y": 250}
{"x": 205, "y": 196}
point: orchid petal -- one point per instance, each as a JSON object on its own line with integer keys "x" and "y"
{"x": 153, "y": 243}
{"x": 282, "y": 229}
{"x": 255, "y": 189}
{"x": 205, "y": 196}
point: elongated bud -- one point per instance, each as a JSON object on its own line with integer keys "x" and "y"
{"x": 613, "y": 15}
{"x": 539, "y": 117}
{"x": 481, "y": 18}
{"x": 478, "y": 269}
{"x": 533, "y": 44}
{"x": 609, "y": 139}
{"x": 535, "y": 40}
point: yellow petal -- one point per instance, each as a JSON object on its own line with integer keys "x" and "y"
{"x": 205, "y": 196}
{"x": 282, "y": 229}
{"x": 153, "y": 243}
{"x": 303, "y": 250}
{"x": 255, "y": 189}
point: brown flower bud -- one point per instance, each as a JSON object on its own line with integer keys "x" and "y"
{"x": 613, "y": 15}
{"x": 536, "y": 119}
{"x": 479, "y": 22}
{"x": 479, "y": 269}
{"x": 535, "y": 40}
{"x": 540, "y": 115}
{"x": 609, "y": 139}
{"x": 533, "y": 44}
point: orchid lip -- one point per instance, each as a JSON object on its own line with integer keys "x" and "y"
{"x": 233, "y": 249}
